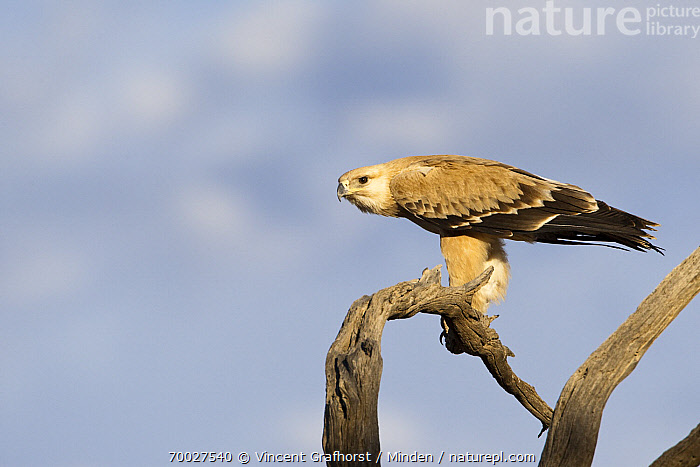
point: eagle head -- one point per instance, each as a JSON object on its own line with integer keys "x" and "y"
{"x": 368, "y": 189}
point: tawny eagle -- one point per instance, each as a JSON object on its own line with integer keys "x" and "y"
{"x": 473, "y": 204}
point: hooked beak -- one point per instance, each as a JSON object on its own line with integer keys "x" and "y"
{"x": 342, "y": 190}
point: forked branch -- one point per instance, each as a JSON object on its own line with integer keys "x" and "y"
{"x": 354, "y": 362}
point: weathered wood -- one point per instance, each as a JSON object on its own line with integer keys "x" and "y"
{"x": 572, "y": 438}
{"x": 468, "y": 331}
{"x": 684, "y": 454}
{"x": 354, "y": 362}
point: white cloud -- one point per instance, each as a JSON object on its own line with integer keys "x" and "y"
{"x": 400, "y": 430}
{"x": 153, "y": 97}
{"x": 232, "y": 136}
{"x": 412, "y": 124}
{"x": 71, "y": 122}
{"x": 301, "y": 428}
{"x": 70, "y": 128}
{"x": 397, "y": 429}
{"x": 41, "y": 269}
{"x": 232, "y": 226}
{"x": 212, "y": 213}
{"x": 271, "y": 37}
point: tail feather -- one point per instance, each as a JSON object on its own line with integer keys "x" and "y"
{"x": 607, "y": 224}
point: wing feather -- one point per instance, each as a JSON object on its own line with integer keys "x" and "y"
{"x": 464, "y": 193}
{"x": 468, "y": 196}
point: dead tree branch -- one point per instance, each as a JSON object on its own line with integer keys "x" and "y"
{"x": 573, "y": 435}
{"x": 354, "y": 362}
{"x": 684, "y": 454}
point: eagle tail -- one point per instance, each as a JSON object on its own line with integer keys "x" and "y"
{"x": 607, "y": 224}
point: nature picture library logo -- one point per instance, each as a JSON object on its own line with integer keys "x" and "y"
{"x": 555, "y": 19}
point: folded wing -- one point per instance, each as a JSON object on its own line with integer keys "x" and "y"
{"x": 454, "y": 195}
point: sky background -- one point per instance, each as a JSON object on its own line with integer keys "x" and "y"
{"x": 174, "y": 263}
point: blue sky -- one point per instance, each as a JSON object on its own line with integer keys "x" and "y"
{"x": 174, "y": 263}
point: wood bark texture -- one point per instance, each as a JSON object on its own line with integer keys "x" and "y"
{"x": 572, "y": 437}
{"x": 684, "y": 454}
{"x": 354, "y": 362}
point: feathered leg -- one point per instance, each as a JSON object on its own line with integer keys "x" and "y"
{"x": 468, "y": 256}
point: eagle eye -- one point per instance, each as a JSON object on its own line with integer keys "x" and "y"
{"x": 363, "y": 180}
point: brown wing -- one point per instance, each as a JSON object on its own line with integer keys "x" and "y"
{"x": 454, "y": 194}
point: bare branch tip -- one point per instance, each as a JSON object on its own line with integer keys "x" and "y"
{"x": 474, "y": 285}
{"x": 487, "y": 272}
{"x": 431, "y": 276}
